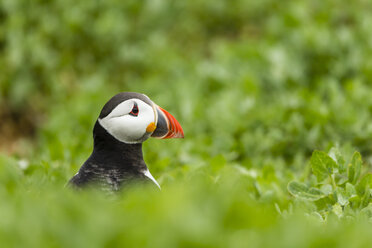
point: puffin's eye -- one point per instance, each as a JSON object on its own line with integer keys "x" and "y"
{"x": 135, "y": 110}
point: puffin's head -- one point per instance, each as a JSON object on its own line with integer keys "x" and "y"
{"x": 132, "y": 118}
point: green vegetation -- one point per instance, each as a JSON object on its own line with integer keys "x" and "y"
{"x": 274, "y": 98}
{"x": 338, "y": 189}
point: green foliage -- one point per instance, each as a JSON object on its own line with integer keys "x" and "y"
{"x": 303, "y": 191}
{"x": 336, "y": 191}
{"x": 257, "y": 86}
{"x": 322, "y": 165}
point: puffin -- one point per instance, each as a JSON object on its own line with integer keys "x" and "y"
{"x": 125, "y": 122}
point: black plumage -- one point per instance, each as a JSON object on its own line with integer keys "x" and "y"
{"x": 115, "y": 163}
{"x": 112, "y": 164}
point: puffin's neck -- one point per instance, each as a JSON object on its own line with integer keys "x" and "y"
{"x": 111, "y": 153}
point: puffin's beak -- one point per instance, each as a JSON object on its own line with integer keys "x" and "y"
{"x": 167, "y": 126}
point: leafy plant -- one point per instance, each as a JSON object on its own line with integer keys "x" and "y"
{"x": 340, "y": 188}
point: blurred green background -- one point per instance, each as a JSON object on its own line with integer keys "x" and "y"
{"x": 256, "y": 85}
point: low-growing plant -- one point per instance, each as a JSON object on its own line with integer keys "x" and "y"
{"x": 340, "y": 188}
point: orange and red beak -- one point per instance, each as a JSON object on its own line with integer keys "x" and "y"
{"x": 167, "y": 126}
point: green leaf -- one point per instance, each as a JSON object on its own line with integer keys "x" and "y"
{"x": 367, "y": 212}
{"x": 350, "y": 190}
{"x": 342, "y": 198}
{"x": 364, "y": 184}
{"x": 335, "y": 154}
{"x": 322, "y": 165}
{"x": 344, "y": 195}
{"x": 341, "y": 179}
{"x": 354, "y": 168}
{"x": 355, "y": 200}
{"x": 350, "y": 173}
{"x": 324, "y": 203}
{"x": 317, "y": 216}
{"x": 365, "y": 198}
{"x": 302, "y": 191}
{"x": 326, "y": 189}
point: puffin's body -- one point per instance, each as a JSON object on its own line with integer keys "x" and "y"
{"x": 126, "y": 120}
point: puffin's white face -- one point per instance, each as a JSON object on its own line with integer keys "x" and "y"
{"x": 132, "y": 121}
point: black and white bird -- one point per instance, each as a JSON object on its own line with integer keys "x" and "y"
{"x": 125, "y": 122}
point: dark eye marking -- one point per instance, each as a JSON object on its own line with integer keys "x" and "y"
{"x": 134, "y": 111}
